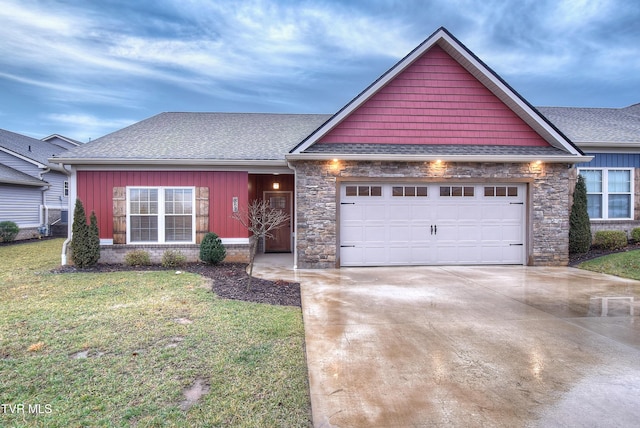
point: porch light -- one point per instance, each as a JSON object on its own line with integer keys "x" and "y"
{"x": 276, "y": 185}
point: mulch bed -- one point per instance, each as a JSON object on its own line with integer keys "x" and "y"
{"x": 229, "y": 281}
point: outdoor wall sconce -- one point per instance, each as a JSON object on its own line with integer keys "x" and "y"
{"x": 276, "y": 186}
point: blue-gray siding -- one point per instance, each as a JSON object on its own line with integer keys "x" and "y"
{"x": 20, "y": 204}
{"x": 613, "y": 160}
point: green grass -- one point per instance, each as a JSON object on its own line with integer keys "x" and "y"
{"x": 140, "y": 357}
{"x": 624, "y": 264}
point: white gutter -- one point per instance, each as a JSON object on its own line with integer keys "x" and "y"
{"x": 444, "y": 158}
{"x": 239, "y": 163}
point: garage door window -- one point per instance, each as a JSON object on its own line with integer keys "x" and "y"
{"x": 500, "y": 191}
{"x": 465, "y": 191}
{"x": 363, "y": 191}
{"x": 401, "y": 191}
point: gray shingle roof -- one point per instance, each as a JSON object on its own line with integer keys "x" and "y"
{"x": 203, "y": 136}
{"x": 596, "y": 125}
{"x": 40, "y": 152}
{"x": 438, "y": 149}
{"x": 9, "y": 175}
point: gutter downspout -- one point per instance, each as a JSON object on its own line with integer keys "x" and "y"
{"x": 72, "y": 197}
{"x": 44, "y": 216}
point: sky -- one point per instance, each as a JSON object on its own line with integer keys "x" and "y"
{"x": 84, "y": 69}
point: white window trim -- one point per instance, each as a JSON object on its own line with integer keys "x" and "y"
{"x": 161, "y": 215}
{"x": 605, "y": 192}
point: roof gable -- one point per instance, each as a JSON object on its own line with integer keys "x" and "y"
{"x": 439, "y": 94}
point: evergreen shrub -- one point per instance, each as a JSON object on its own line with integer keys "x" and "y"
{"x": 8, "y": 231}
{"x": 211, "y": 249}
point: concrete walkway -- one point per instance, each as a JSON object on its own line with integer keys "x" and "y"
{"x": 470, "y": 346}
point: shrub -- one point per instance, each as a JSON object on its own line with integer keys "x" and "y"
{"x": 579, "y": 224}
{"x": 85, "y": 241}
{"x": 635, "y": 234}
{"x": 173, "y": 259}
{"x": 137, "y": 258}
{"x": 610, "y": 239}
{"x": 8, "y": 231}
{"x": 211, "y": 249}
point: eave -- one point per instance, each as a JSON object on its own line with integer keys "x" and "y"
{"x": 444, "y": 158}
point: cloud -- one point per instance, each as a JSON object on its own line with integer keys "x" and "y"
{"x": 85, "y": 126}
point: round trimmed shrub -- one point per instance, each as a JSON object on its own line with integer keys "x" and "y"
{"x": 173, "y": 259}
{"x": 211, "y": 249}
{"x": 635, "y": 234}
{"x": 610, "y": 239}
{"x": 137, "y": 258}
{"x": 8, "y": 231}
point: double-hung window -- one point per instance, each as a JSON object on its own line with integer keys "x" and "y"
{"x": 160, "y": 215}
{"x": 609, "y": 192}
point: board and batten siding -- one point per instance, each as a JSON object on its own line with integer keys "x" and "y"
{"x": 95, "y": 190}
{"x": 434, "y": 101}
{"x": 612, "y": 160}
{"x": 20, "y": 204}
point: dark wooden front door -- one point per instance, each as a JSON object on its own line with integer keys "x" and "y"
{"x": 281, "y": 241}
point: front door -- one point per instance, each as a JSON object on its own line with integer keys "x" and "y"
{"x": 281, "y": 241}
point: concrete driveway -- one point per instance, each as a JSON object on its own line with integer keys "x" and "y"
{"x": 470, "y": 346}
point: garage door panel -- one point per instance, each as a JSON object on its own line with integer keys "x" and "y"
{"x": 434, "y": 229}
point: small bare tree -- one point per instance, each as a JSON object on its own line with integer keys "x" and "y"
{"x": 260, "y": 219}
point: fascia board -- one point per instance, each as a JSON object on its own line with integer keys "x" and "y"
{"x": 444, "y": 158}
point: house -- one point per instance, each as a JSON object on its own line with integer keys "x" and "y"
{"x": 33, "y": 191}
{"x": 439, "y": 161}
{"x": 612, "y": 137}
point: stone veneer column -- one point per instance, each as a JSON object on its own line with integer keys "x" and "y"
{"x": 316, "y": 187}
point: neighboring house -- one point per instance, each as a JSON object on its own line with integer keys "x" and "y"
{"x": 612, "y": 137}
{"x": 439, "y": 161}
{"x": 33, "y": 191}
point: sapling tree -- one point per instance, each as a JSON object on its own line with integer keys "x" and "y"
{"x": 260, "y": 219}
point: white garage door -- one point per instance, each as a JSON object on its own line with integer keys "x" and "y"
{"x": 425, "y": 224}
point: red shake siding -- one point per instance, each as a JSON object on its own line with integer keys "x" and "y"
{"x": 95, "y": 190}
{"x": 434, "y": 101}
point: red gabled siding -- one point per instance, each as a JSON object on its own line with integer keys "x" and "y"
{"x": 434, "y": 101}
{"x": 95, "y": 190}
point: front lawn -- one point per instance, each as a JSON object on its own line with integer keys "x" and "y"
{"x": 151, "y": 348}
{"x": 624, "y": 264}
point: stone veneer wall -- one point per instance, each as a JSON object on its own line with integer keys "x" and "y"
{"x": 115, "y": 254}
{"x": 316, "y": 187}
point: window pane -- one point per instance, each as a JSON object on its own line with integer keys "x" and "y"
{"x": 445, "y": 191}
{"x": 593, "y": 180}
{"x": 619, "y": 206}
{"x": 351, "y": 191}
{"x": 468, "y": 191}
{"x": 489, "y": 191}
{"x": 376, "y": 191}
{"x": 501, "y": 191}
{"x": 409, "y": 191}
{"x": 397, "y": 191}
{"x": 619, "y": 181}
{"x": 144, "y": 228}
{"x": 594, "y": 206}
{"x": 421, "y": 191}
{"x": 363, "y": 191}
{"x": 512, "y": 191}
{"x": 177, "y": 228}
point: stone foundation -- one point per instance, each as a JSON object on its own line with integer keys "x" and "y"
{"x": 115, "y": 254}
{"x": 317, "y": 184}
